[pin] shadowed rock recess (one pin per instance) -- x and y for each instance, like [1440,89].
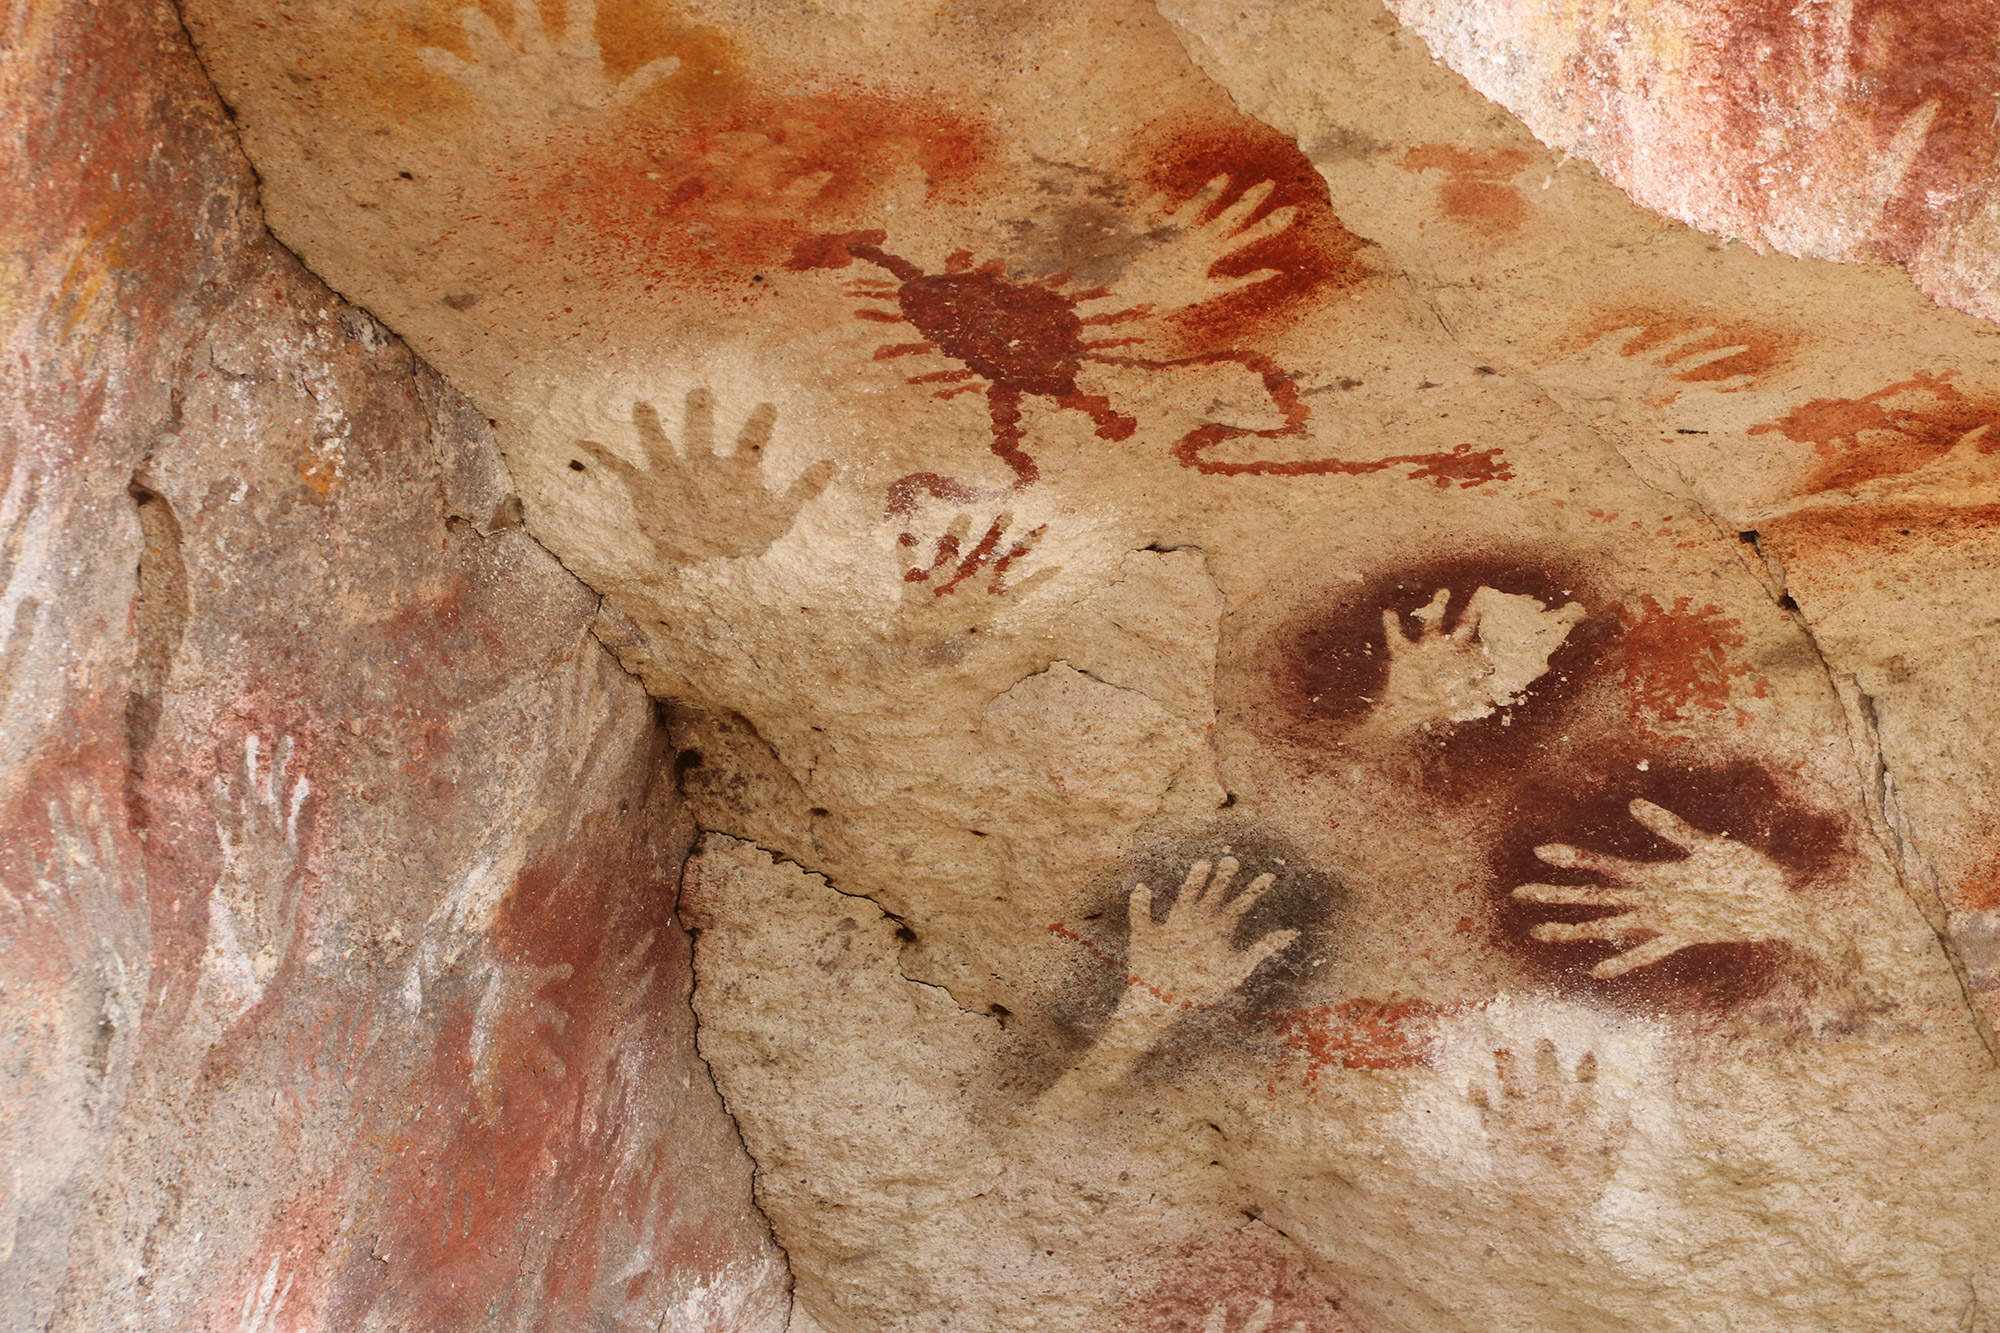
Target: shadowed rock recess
[860,666]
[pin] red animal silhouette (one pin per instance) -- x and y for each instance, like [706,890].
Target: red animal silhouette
[1021,338]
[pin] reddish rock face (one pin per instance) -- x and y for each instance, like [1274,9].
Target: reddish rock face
[1853,131]
[338,869]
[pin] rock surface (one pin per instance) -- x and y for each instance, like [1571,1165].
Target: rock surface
[341,980]
[1857,130]
[1300,716]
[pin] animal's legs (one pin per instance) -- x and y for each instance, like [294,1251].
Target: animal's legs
[1005,405]
[1111,424]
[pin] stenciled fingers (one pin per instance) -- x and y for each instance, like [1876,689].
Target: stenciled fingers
[652,435]
[1392,630]
[1565,857]
[579,26]
[1189,957]
[645,77]
[1247,899]
[1233,217]
[1515,1083]
[1217,890]
[571,64]
[1256,954]
[1548,1065]
[1430,618]
[1611,928]
[1664,823]
[1139,911]
[1468,622]
[1432,613]
[1187,214]
[698,422]
[1652,951]
[810,483]
[1230,285]
[699,437]
[757,429]
[1202,241]
[1191,888]
[489,47]
[1576,895]
[1264,228]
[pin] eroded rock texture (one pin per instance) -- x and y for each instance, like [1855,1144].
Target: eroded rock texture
[1300,716]
[342,985]
[1860,129]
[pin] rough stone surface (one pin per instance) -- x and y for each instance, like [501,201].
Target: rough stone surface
[1856,130]
[341,982]
[1303,717]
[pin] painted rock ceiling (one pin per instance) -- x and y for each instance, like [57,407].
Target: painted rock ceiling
[1289,710]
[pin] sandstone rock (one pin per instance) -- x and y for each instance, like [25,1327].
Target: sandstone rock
[1301,716]
[1851,132]
[341,980]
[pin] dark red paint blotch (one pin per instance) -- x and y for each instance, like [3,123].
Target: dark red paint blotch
[1332,661]
[1586,804]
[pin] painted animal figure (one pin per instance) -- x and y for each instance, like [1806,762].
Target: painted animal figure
[1021,338]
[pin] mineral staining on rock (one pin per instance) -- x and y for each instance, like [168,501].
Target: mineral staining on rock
[1296,711]
[1850,131]
[339,975]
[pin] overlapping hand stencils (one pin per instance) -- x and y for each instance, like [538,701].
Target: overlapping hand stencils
[1186,962]
[1178,269]
[1537,1107]
[1190,959]
[1500,646]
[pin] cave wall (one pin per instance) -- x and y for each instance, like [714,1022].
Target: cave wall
[1853,131]
[1224,691]
[341,984]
